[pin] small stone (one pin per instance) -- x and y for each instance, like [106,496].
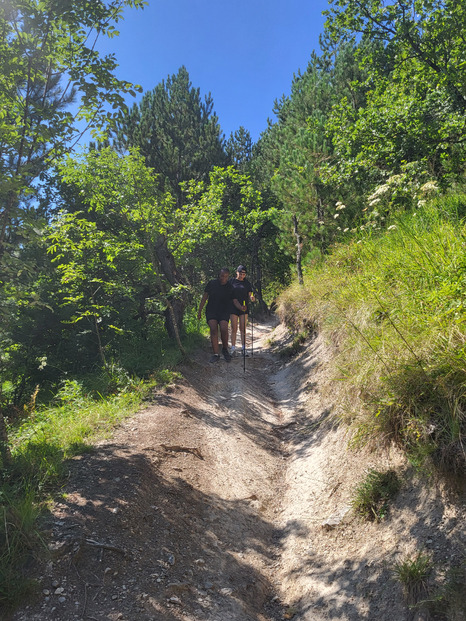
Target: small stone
[62,600]
[59,591]
[336,518]
[46,592]
[174,600]
[55,583]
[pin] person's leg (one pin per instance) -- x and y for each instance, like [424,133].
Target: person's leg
[213,325]
[224,336]
[242,329]
[234,328]
[224,333]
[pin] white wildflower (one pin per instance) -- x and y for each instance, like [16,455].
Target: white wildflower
[374,202]
[339,205]
[430,186]
[392,227]
[396,179]
[345,230]
[337,215]
[382,189]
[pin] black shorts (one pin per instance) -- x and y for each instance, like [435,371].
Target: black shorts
[235,311]
[218,317]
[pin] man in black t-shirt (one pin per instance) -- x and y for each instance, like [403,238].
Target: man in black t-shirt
[219,295]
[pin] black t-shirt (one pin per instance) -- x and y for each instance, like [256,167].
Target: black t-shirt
[220,298]
[241,289]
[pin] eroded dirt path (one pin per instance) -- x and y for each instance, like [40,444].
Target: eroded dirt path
[173,518]
[227,499]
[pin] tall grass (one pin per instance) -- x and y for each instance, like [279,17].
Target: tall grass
[394,306]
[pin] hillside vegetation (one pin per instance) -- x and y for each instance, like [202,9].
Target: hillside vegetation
[392,303]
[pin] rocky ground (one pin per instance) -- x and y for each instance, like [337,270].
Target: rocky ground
[227,498]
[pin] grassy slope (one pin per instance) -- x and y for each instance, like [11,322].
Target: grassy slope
[393,302]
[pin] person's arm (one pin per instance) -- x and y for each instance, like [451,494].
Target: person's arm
[238,305]
[201,305]
[251,293]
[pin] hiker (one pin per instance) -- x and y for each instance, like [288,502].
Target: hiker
[219,295]
[243,292]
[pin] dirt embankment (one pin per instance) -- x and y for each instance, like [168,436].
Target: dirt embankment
[227,499]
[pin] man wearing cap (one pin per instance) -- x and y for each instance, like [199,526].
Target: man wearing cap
[243,293]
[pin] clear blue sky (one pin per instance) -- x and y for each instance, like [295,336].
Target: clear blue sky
[244,52]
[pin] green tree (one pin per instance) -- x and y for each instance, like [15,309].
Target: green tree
[412,121]
[430,31]
[128,210]
[300,149]
[48,57]
[239,148]
[176,131]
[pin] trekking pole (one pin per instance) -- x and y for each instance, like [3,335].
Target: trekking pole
[244,340]
[252,330]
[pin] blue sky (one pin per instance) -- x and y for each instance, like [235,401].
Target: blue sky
[244,52]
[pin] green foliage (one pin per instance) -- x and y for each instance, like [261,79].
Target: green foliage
[239,149]
[371,496]
[432,34]
[47,60]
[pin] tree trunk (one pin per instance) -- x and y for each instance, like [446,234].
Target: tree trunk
[176,304]
[299,250]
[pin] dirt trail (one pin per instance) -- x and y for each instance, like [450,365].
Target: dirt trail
[208,505]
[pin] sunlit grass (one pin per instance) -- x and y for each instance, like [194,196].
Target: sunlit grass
[372,495]
[393,306]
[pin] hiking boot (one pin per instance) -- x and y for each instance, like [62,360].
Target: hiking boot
[214,358]
[226,354]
